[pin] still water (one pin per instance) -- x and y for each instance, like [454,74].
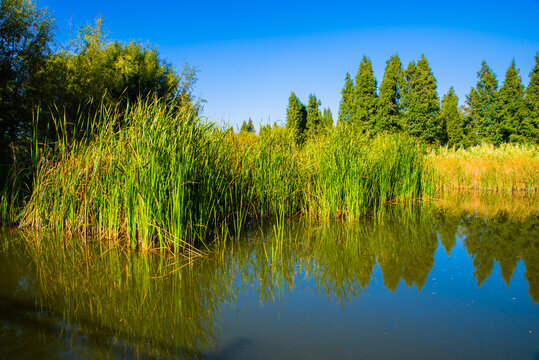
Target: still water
[423,282]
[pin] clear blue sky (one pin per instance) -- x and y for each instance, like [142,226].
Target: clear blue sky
[251,55]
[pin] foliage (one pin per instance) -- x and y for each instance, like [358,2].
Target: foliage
[314,118]
[512,106]
[296,118]
[25,36]
[327,119]
[530,124]
[101,71]
[247,127]
[420,103]
[452,119]
[347,106]
[365,97]
[389,111]
[483,106]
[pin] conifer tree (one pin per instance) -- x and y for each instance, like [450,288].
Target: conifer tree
[483,105]
[530,125]
[296,118]
[327,119]
[365,97]
[421,103]
[247,127]
[512,107]
[314,118]
[346,107]
[244,127]
[453,119]
[389,113]
[250,127]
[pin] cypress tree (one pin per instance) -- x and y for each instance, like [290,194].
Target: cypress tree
[453,119]
[483,105]
[247,127]
[244,127]
[346,107]
[530,125]
[421,103]
[512,107]
[314,118]
[389,113]
[250,127]
[365,97]
[327,119]
[296,118]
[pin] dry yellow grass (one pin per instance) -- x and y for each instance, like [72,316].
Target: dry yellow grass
[509,167]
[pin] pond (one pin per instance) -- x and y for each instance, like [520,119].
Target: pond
[451,280]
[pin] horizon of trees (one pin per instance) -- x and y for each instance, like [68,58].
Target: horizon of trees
[407,101]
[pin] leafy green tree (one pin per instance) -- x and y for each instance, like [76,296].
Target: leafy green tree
[513,108]
[389,113]
[327,119]
[25,38]
[365,97]
[296,118]
[421,103]
[346,106]
[453,119]
[483,105]
[111,71]
[314,118]
[530,124]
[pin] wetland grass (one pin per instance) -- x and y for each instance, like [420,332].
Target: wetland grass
[162,178]
[509,167]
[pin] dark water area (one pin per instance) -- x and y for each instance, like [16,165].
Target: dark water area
[422,282]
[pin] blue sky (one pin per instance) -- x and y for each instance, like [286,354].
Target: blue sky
[251,55]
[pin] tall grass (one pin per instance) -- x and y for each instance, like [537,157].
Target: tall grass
[163,178]
[353,175]
[509,167]
[155,175]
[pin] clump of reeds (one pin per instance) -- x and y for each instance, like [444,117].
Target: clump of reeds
[486,167]
[162,178]
[353,174]
[154,174]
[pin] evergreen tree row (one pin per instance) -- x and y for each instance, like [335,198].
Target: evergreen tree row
[407,100]
[307,121]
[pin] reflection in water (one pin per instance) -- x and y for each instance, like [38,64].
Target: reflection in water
[81,299]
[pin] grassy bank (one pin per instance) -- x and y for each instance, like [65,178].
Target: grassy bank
[164,178]
[510,167]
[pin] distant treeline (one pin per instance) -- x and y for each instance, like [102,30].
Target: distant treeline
[407,101]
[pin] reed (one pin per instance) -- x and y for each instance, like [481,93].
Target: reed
[164,179]
[155,175]
[352,174]
[510,167]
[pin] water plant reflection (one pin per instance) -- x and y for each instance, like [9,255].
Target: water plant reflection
[151,305]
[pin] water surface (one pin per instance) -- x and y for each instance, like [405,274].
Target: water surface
[422,282]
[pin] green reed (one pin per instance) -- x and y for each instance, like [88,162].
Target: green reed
[354,175]
[163,178]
